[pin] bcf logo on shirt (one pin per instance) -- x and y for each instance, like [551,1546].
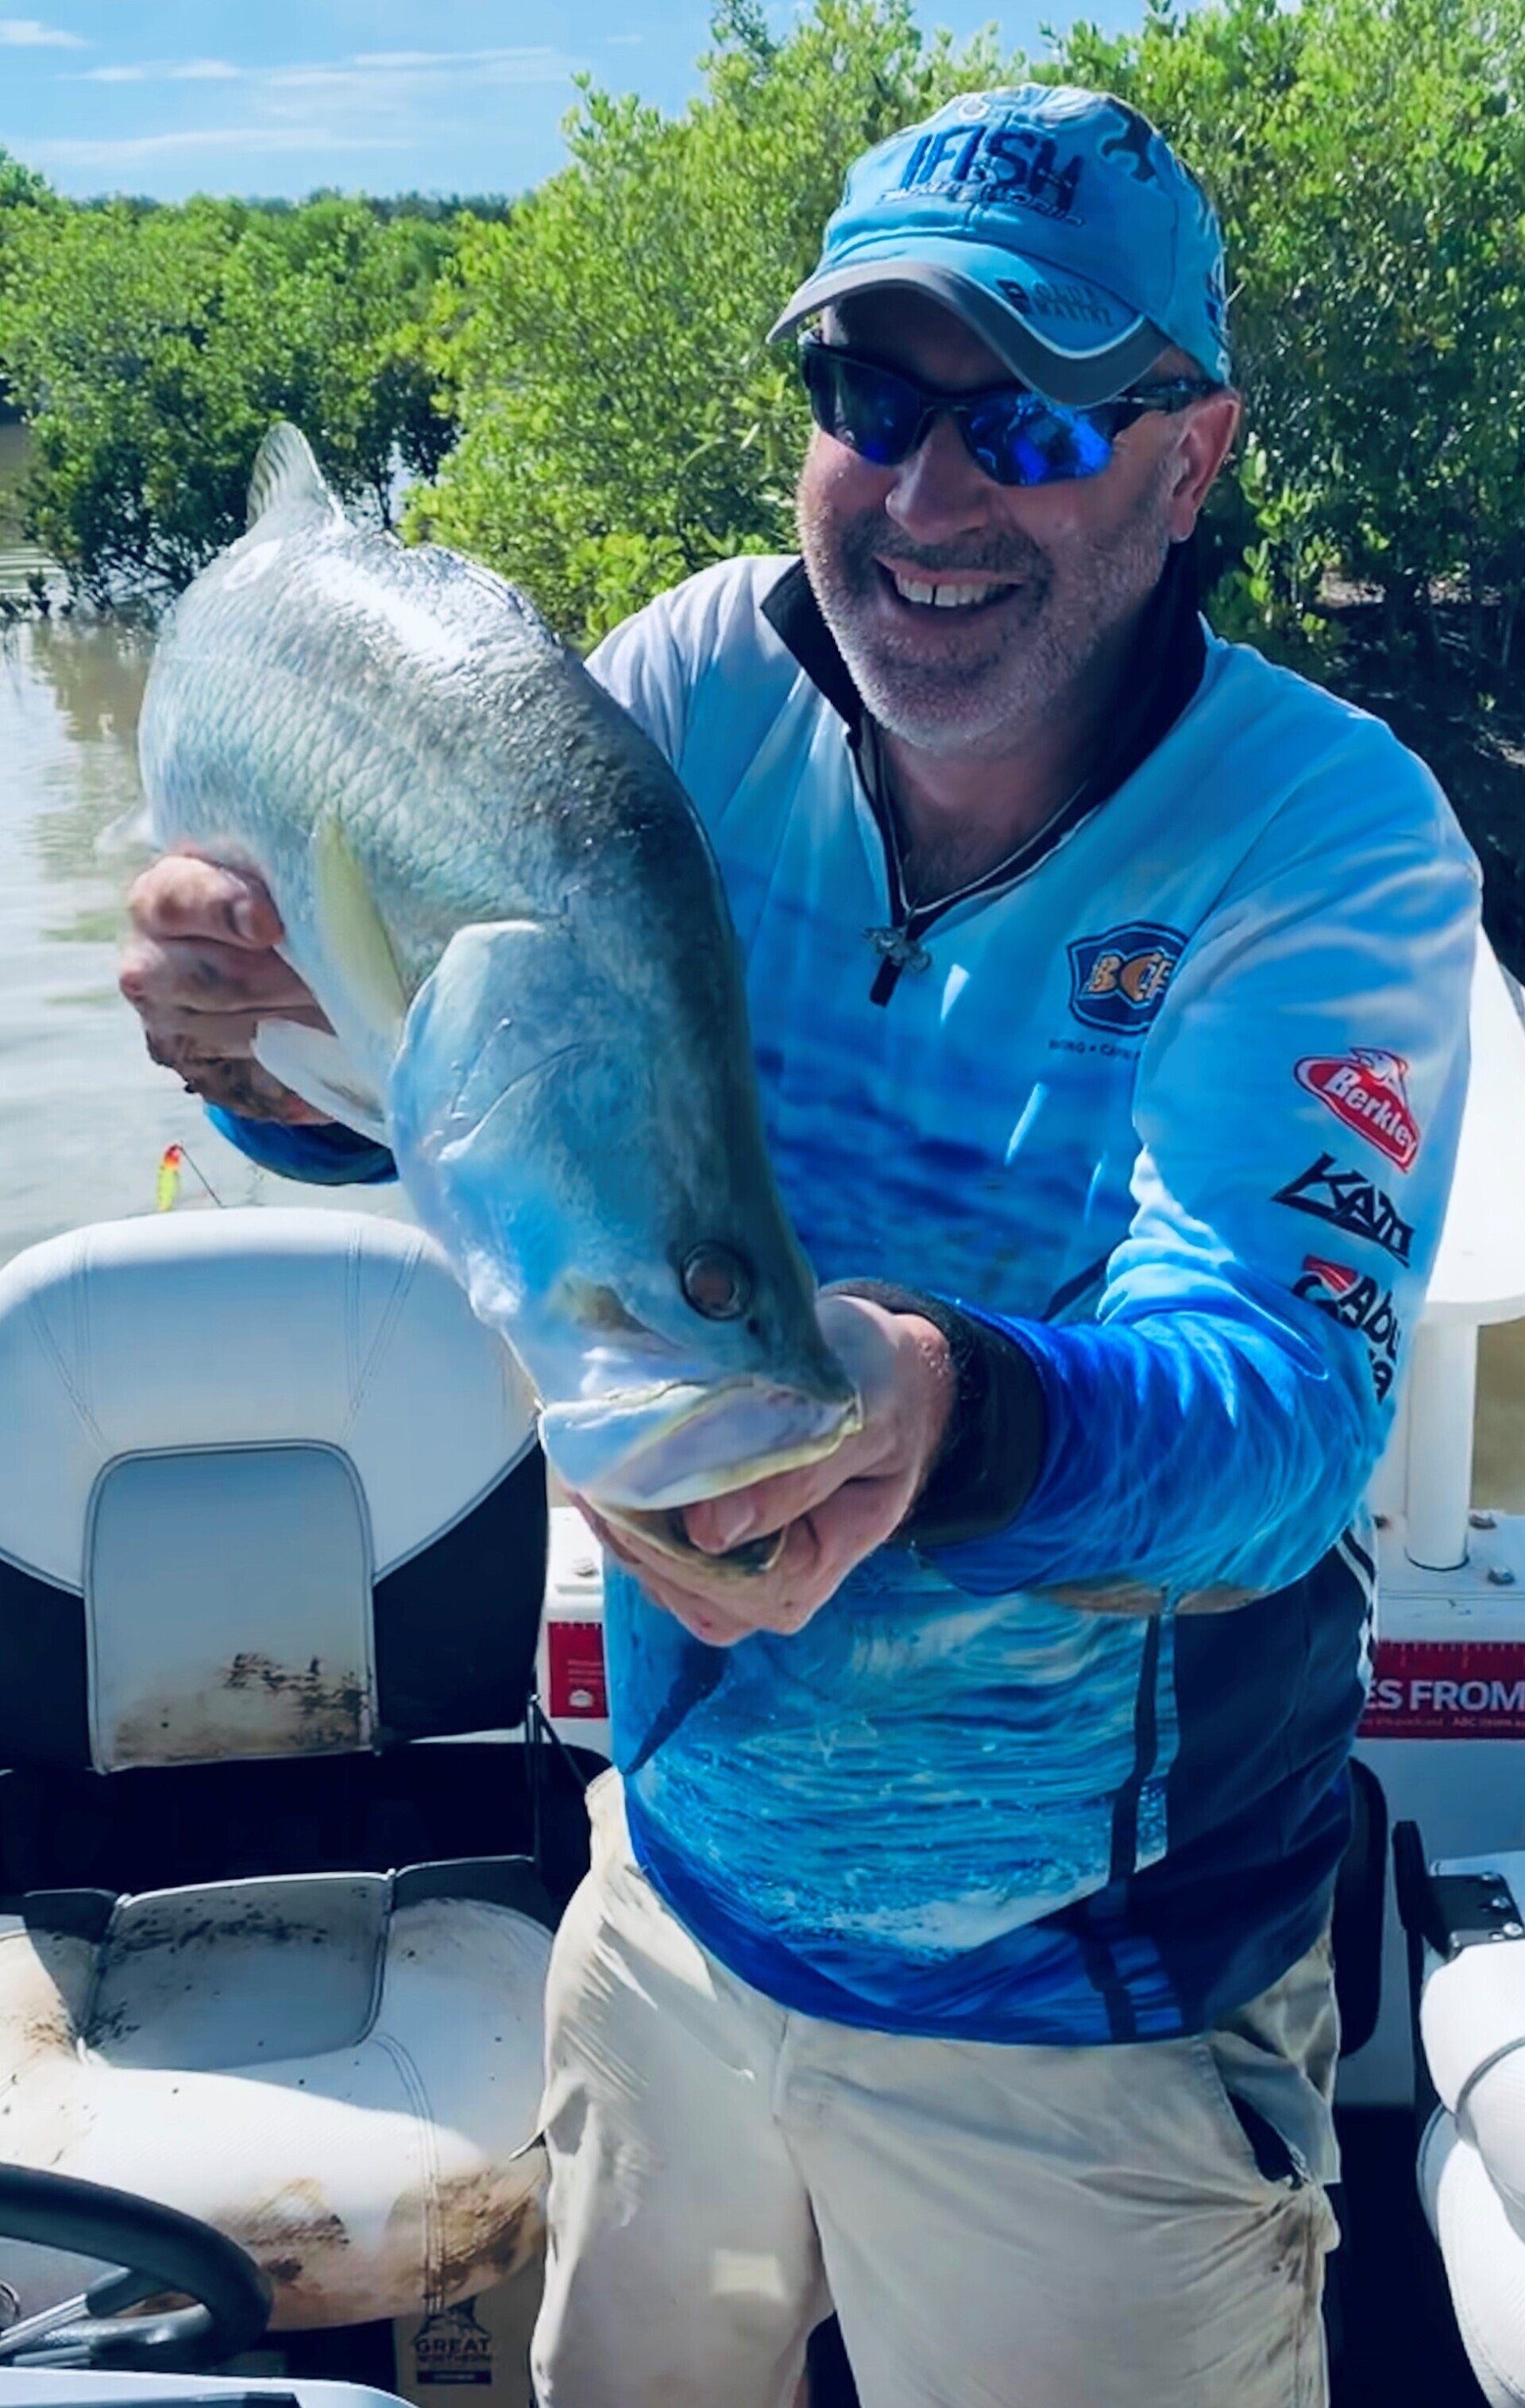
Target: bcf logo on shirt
[1118,981]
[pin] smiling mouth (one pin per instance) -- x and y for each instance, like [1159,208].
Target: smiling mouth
[930,593]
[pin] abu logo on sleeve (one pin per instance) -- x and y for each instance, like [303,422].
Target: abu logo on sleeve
[1367,1089]
[1347,1199]
[1118,981]
[1355,1300]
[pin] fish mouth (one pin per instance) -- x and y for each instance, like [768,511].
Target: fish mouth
[667,1536]
[653,1450]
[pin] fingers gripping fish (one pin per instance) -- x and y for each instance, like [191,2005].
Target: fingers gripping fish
[503,900]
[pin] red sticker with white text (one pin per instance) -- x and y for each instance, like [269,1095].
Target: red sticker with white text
[1451,1688]
[579,1691]
[1367,1090]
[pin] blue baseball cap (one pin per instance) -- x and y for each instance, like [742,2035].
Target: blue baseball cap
[1056,223]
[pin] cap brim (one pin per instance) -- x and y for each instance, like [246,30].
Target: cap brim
[1093,344]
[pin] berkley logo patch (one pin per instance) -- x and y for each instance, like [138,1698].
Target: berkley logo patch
[1366,1089]
[1347,1199]
[1118,981]
[1355,1300]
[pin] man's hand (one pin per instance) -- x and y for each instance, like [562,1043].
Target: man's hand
[201,972]
[833,1512]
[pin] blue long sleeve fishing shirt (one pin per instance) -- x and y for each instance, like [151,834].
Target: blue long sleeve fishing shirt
[1167,1108]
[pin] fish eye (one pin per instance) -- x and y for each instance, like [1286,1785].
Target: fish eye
[716,1282]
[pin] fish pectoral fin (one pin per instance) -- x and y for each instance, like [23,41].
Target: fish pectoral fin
[506,1004]
[354,934]
[315,1067]
[285,476]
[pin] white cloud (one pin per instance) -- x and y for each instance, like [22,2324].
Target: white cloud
[160,71]
[395,73]
[381,82]
[405,59]
[135,150]
[383,89]
[411,58]
[398,61]
[31,34]
[387,101]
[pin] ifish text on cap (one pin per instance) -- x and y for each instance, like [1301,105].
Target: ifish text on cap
[1059,224]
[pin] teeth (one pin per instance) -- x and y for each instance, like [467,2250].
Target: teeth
[943,598]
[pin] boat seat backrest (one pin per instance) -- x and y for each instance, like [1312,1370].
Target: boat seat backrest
[266,1488]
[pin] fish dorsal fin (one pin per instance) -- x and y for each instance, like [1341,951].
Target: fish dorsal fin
[287,477]
[354,934]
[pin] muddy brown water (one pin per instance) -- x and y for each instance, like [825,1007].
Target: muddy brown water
[84,1116]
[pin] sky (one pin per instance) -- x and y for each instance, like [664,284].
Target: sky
[276,96]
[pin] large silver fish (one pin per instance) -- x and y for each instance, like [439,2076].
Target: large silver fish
[501,896]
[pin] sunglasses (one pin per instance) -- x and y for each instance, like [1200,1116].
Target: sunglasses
[1015,436]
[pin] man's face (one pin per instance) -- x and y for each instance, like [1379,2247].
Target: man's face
[1029,580]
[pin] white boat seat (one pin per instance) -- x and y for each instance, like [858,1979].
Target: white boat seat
[1472,2158]
[346,2086]
[268,1492]
[1483,2247]
[243,1379]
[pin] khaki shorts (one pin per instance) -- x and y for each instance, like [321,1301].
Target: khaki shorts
[996,2228]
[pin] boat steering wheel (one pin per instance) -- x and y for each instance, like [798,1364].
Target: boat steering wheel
[148,2249]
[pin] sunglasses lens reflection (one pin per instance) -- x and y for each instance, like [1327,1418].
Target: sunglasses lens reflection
[1016,437]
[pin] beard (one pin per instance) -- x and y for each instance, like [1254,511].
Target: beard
[977,681]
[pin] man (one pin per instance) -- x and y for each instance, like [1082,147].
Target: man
[954,1951]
